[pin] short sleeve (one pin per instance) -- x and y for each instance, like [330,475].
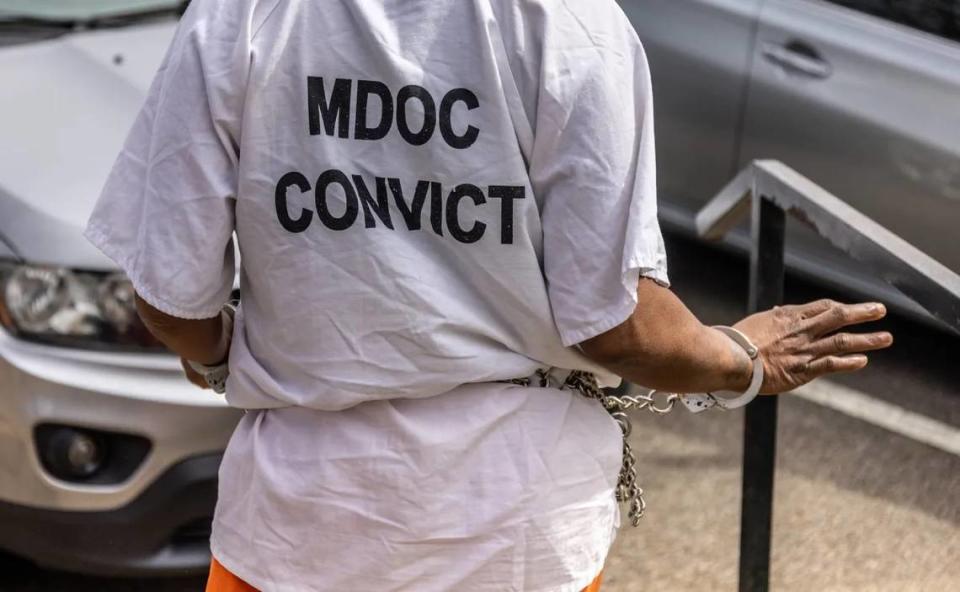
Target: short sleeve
[166,214]
[593,167]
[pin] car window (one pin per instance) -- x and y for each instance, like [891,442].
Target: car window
[940,17]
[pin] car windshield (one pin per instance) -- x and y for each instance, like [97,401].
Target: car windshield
[79,10]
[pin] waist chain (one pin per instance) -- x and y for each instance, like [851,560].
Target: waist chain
[628,490]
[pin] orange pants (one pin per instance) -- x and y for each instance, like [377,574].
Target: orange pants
[221,580]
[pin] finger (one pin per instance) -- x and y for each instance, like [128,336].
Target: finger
[812,309]
[850,343]
[834,364]
[193,376]
[844,315]
[196,379]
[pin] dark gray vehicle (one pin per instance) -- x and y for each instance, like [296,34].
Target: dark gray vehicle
[861,96]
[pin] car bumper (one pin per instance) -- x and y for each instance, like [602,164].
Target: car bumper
[164,531]
[150,520]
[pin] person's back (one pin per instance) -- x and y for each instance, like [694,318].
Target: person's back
[434,200]
[412,217]
[390,230]
[400,257]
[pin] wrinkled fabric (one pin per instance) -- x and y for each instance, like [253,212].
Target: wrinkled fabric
[425,195]
[490,487]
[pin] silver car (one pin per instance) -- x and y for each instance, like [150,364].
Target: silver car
[108,457]
[861,96]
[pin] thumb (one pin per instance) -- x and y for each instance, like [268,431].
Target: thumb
[192,375]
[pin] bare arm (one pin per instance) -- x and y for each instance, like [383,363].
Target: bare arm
[662,345]
[206,341]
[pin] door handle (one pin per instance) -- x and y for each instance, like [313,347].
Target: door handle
[798,57]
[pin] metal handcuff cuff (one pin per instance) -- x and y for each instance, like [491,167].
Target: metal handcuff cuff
[628,490]
[697,402]
[216,376]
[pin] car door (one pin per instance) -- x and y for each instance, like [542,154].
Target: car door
[699,53]
[863,97]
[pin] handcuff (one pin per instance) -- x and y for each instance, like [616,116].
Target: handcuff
[216,375]
[727,400]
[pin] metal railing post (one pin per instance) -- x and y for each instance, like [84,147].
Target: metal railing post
[760,421]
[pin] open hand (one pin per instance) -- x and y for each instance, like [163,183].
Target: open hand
[799,343]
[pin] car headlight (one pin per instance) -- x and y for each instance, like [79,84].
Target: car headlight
[93,310]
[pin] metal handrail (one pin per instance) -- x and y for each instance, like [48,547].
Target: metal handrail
[921,278]
[770,190]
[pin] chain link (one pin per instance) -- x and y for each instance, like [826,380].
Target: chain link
[628,490]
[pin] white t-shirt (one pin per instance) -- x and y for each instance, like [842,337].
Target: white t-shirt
[428,196]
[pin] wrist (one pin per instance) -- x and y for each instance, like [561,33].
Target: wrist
[221,352]
[738,395]
[740,368]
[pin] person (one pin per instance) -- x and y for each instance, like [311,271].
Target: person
[433,201]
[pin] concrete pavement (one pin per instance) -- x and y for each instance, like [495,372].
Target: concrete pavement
[856,508]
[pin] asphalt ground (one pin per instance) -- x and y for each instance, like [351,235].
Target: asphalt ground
[858,507]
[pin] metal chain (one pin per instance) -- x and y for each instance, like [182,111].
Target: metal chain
[628,491]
